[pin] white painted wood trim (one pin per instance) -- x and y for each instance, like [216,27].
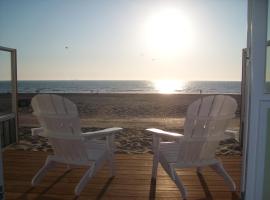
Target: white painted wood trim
[7,117]
[262,128]
[257,37]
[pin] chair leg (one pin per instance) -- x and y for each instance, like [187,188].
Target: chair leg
[221,171]
[84,180]
[156,142]
[155,167]
[173,175]
[42,172]
[110,155]
[179,183]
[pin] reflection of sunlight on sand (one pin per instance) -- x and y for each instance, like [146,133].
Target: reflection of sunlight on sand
[169,86]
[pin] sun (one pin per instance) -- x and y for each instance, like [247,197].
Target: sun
[168,32]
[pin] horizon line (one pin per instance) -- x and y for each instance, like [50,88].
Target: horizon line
[121,80]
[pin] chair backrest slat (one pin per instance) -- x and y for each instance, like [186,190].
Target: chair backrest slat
[59,118]
[206,121]
[57,115]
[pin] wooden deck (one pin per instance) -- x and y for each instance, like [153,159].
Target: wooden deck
[131,182]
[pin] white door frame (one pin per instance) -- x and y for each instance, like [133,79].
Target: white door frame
[13,62]
[256,100]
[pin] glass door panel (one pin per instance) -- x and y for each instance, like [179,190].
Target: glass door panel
[8,97]
[267,68]
[5,83]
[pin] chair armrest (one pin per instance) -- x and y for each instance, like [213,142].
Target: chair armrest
[38,132]
[157,135]
[101,133]
[162,133]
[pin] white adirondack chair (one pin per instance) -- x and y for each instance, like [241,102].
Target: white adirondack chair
[60,122]
[206,121]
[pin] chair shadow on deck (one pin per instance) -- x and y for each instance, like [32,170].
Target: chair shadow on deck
[41,197]
[208,195]
[105,188]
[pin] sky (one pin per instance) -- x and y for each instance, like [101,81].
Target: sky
[125,39]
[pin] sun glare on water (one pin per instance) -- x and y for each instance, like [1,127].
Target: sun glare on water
[168,32]
[169,86]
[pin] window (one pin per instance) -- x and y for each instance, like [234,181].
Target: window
[5,83]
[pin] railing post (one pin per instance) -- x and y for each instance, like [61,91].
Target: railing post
[14,90]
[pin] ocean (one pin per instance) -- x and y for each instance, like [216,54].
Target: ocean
[107,86]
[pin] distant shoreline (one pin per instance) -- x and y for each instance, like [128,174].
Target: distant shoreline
[121,86]
[174,93]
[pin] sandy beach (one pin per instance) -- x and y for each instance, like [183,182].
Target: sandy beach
[133,112]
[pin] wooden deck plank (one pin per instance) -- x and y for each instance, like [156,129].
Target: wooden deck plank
[132,181]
